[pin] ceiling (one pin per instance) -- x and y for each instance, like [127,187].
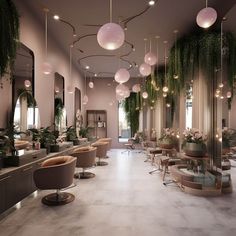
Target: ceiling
[160,20]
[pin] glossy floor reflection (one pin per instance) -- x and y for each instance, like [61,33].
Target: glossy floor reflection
[123,199]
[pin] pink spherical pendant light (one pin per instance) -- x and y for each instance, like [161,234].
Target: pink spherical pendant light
[47,68]
[136,88]
[145,69]
[145,95]
[150,59]
[206,17]
[91,84]
[111,36]
[122,76]
[27,83]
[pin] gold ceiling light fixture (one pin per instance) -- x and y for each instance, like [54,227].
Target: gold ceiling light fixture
[46,67]
[58,18]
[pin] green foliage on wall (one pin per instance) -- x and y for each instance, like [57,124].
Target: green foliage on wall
[9,34]
[201,50]
[131,105]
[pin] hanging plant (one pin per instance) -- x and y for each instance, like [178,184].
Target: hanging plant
[200,50]
[9,34]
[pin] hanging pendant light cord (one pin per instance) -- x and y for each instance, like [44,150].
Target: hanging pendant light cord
[165,60]
[157,53]
[221,52]
[46,33]
[70,61]
[110,10]
[175,52]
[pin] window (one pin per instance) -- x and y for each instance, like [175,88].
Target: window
[124,128]
[189,108]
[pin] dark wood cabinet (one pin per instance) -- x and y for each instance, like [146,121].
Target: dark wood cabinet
[16,185]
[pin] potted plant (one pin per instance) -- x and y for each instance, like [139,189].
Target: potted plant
[48,140]
[71,135]
[168,139]
[228,135]
[194,143]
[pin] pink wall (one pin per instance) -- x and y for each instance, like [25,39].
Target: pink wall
[32,35]
[102,97]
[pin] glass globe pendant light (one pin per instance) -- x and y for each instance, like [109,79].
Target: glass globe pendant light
[165,89]
[70,88]
[122,76]
[145,69]
[111,36]
[46,66]
[136,88]
[145,95]
[150,58]
[85,98]
[176,76]
[91,84]
[206,17]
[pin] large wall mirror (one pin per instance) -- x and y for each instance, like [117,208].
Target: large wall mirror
[227,101]
[24,105]
[59,103]
[77,111]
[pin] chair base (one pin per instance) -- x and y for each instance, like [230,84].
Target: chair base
[55,199]
[101,163]
[84,175]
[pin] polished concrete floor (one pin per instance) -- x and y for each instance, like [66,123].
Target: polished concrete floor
[123,199]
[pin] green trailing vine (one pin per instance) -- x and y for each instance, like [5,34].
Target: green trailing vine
[131,105]
[9,34]
[200,50]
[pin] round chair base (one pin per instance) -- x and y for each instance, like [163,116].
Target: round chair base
[84,175]
[55,199]
[102,163]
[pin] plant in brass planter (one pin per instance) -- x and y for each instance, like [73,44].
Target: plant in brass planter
[194,143]
[168,139]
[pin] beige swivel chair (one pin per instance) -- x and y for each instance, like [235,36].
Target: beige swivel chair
[109,141]
[101,152]
[85,159]
[56,173]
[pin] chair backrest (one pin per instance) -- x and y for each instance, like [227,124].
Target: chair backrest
[55,173]
[85,158]
[109,140]
[101,149]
